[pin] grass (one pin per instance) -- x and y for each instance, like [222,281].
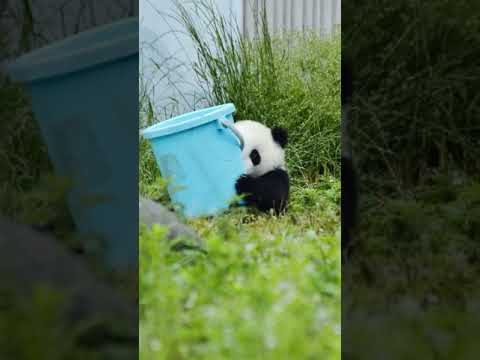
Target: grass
[268,287]
[22,152]
[293,81]
[416,104]
[417,149]
[413,271]
[37,327]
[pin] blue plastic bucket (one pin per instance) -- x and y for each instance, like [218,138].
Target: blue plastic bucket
[201,153]
[81,94]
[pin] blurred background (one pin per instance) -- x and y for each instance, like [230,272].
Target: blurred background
[29,24]
[57,301]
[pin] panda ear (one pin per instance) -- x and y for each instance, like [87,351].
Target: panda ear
[280,135]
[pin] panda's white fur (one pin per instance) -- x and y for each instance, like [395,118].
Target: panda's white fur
[258,136]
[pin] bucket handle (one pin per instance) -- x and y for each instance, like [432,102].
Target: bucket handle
[229,125]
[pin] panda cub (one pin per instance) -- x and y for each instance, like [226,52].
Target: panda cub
[265,183]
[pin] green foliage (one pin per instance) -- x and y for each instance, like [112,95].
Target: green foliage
[415,105]
[36,327]
[33,329]
[414,127]
[46,204]
[292,81]
[427,248]
[427,243]
[407,331]
[150,182]
[268,287]
[23,154]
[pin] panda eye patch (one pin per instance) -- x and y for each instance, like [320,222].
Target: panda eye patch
[255,157]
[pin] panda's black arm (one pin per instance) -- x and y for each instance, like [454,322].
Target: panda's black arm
[269,191]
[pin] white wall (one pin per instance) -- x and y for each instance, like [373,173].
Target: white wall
[162,41]
[321,16]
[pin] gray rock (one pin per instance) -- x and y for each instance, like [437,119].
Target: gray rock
[29,259]
[152,212]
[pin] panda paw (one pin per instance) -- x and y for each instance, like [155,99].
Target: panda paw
[244,184]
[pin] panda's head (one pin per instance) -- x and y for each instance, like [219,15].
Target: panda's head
[264,148]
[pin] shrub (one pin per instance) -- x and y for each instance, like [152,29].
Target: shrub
[291,80]
[415,105]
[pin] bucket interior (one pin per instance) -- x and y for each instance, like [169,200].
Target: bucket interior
[188,120]
[83,40]
[83,50]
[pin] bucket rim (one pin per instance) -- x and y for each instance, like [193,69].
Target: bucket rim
[186,121]
[49,61]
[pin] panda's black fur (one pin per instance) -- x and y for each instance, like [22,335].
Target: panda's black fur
[349,176]
[266,192]
[270,189]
